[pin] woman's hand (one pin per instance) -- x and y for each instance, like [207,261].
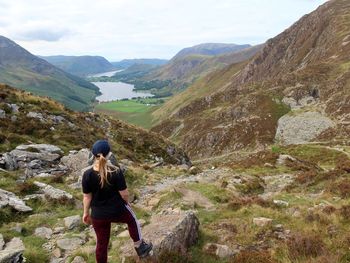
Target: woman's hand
[87,219]
[86,203]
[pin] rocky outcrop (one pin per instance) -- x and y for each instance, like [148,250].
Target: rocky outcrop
[11,256]
[76,161]
[8,162]
[52,192]
[45,152]
[38,160]
[172,232]
[10,199]
[298,128]
[15,244]
[13,252]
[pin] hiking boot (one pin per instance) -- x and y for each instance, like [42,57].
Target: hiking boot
[144,249]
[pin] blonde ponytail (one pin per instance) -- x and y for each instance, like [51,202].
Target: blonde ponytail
[104,170]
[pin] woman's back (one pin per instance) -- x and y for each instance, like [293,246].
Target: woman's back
[106,201]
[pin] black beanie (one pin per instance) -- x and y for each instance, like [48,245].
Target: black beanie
[101,147]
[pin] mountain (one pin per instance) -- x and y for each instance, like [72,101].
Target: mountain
[23,70]
[295,90]
[80,65]
[187,66]
[126,63]
[209,49]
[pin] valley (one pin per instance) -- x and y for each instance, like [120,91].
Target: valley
[232,153]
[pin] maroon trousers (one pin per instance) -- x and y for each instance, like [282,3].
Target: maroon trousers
[102,229]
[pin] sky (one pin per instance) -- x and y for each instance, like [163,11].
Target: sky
[118,29]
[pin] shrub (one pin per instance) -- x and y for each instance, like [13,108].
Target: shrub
[329,209]
[61,201]
[343,164]
[248,256]
[58,179]
[306,177]
[251,187]
[2,138]
[344,188]
[173,257]
[345,212]
[27,188]
[236,203]
[305,246]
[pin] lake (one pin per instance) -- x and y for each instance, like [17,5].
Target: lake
[117,91]
[106,74]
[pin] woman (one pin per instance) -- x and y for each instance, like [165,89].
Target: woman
[106,193]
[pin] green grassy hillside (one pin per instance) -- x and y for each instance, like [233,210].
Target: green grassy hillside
[135,111]
[76,131]
[23,70]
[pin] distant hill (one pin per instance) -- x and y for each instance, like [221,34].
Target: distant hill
[80,65]
[126,63]
[295,90]
[188,65]
[186,69]
[23,70]
[209,49]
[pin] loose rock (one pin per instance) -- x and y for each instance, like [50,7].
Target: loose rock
[11,255]
[69,243]
[78,259]
[15,244]
[262,221]
[72,222]
[43,232]
[301,128]
[2,242]
[10,199]
[173,232]
[222,251]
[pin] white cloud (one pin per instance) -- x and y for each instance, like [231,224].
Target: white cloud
[120,29]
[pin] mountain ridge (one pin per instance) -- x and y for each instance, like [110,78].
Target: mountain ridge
[80,65]
[20,68]
[210,49]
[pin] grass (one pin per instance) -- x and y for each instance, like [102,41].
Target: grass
[135,111]
[34,252]
[210,191]
[314,153]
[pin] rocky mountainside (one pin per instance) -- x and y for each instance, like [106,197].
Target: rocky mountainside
[209,49]
[80,65]
[23,70]
[295,90]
